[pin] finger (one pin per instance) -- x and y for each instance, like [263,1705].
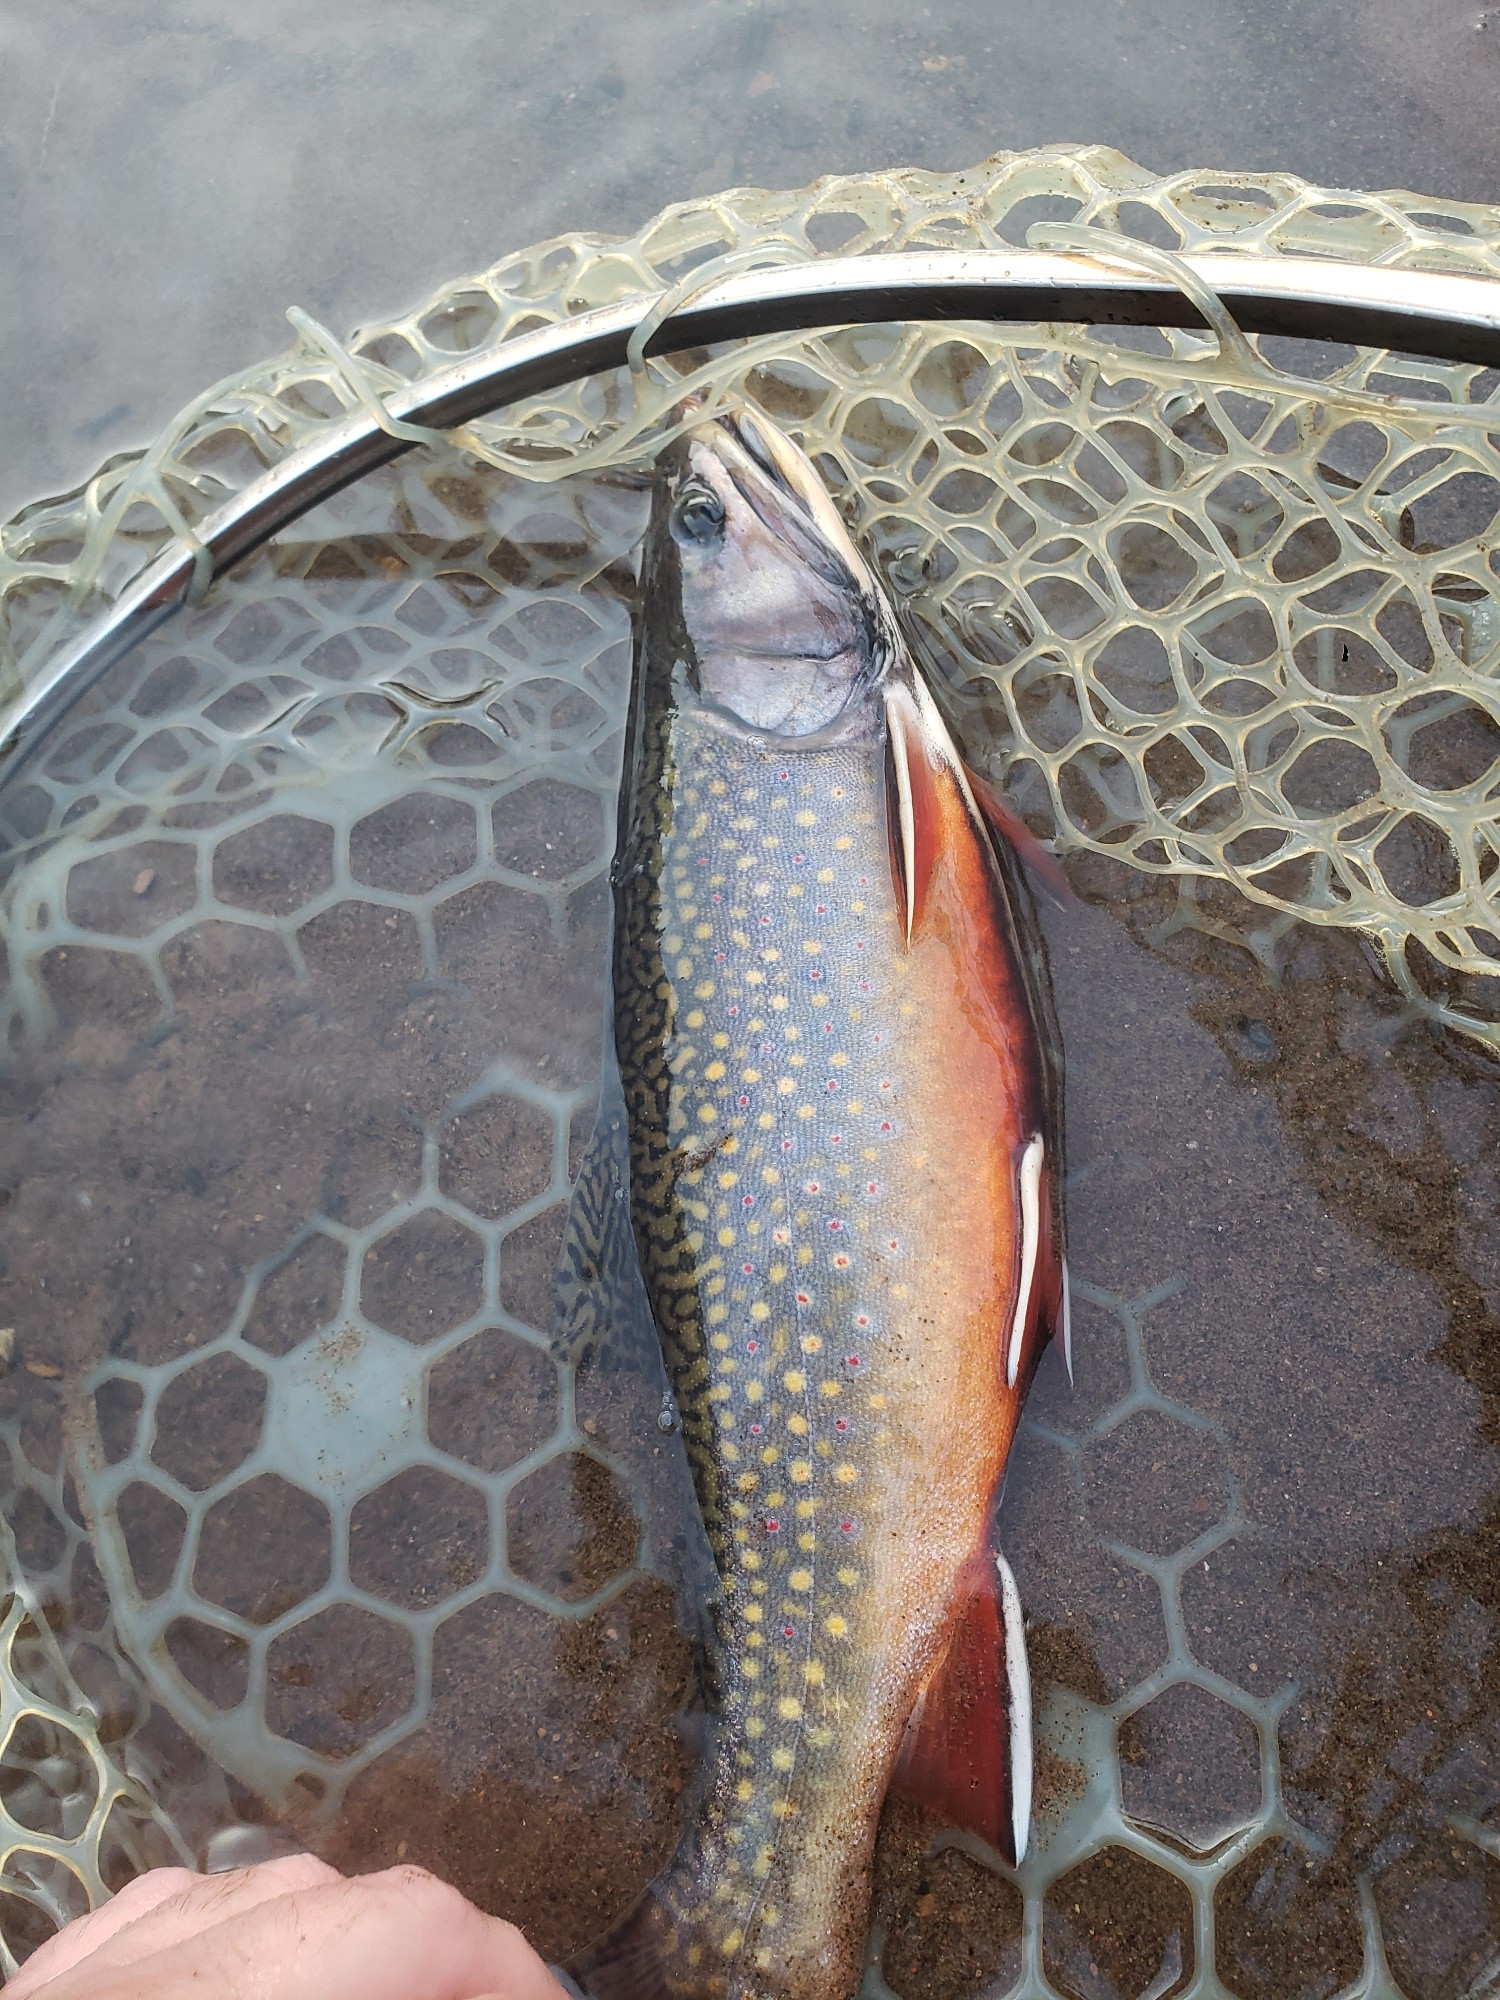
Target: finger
[86,1934]
[401,1935]
[160,1909]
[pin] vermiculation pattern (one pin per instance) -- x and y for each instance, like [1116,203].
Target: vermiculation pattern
[775,1212]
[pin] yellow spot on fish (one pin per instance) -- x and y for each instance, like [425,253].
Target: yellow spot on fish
[726,1237]
[836,1625]
[685,971]
[754,1391]
[748,1481]
[704,990]
[830,1388]
[801,1471]
[721,1041]
[702,930]
[754,1613]
[806,818]
[814,1672]
[752,1076]
[755,1726]
[779,1002]
[760,1310]
[755,977]
[877,1402]
[744,1791]
[825,874]
[807,1542]
[714,1071]
[789,1708]
[794,1381]
[811,945]
[848,1578]
[803,1111]
[732,1942]
[695,1019]
[785,1085]
[812,1343]
[781,1759]
[797,1426]
[838,1060]
[784,1809]
[720,1341]
[843,843]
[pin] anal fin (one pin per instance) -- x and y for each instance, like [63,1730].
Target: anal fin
[967,1751]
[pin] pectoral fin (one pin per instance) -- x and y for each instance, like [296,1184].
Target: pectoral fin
[967,1749]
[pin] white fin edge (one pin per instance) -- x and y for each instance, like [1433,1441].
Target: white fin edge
[1031,1229]
[1018,1677]
[1067,1322]
[908,827]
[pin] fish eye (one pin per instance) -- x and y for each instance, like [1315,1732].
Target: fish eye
[698,515]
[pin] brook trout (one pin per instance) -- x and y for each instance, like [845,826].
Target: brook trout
[842,1179]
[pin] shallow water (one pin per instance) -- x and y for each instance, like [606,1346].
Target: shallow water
[306,985]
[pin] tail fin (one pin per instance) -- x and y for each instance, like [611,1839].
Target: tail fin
[967,1752]
[634,1961]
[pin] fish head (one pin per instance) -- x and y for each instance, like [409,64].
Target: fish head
[781,621]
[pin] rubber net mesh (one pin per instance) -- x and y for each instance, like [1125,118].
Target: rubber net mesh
[1223,618]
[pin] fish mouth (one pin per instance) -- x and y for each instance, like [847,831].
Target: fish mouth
[775,477]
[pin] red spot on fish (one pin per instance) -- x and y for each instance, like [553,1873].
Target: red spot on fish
[815,975]
[765,920]
[716,897]
[828,1027]
[702,860]
[864,986]
[833,1083]
[804,1299]
[798,859]
[841,1423]
[815,1187]
[835,1226]
[885,1083]
[747,1201]
[786,1147]
[755,1430]
[835,1138]
[743,1103]
[788,1631]
[773,1527]
[861,1319]
[718,958]
[872,1187]
[851,1360]
[748,1269]
[841,1262]
[752,1346]
[732,1011]
[781,1236]
[846,1527]
[783,777]
[822,909]
[885,1124]
[893,1244]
